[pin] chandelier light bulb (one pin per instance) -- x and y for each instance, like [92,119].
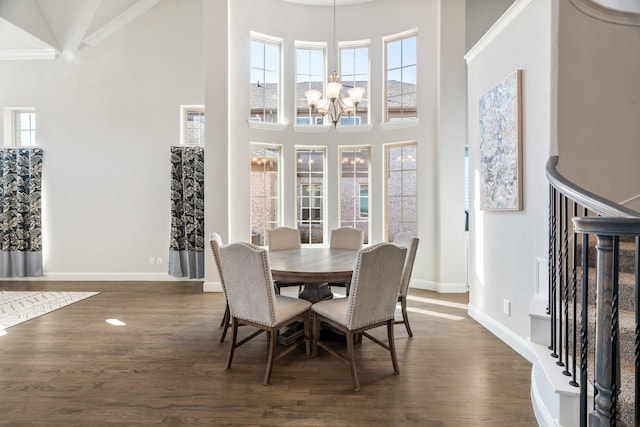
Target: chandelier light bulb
[334,106]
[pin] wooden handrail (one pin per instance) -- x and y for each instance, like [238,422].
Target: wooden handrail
[607,226]
[570,211]
[591,201]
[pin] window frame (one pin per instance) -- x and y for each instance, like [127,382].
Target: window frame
[278,200]
[367,90]
[360,212]
[298,93]
[185,110]
[385,108]
[299,194]
[387,171]
[12,127]
[278,42]
[358,218]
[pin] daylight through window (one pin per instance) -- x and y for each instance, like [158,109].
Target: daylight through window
[192,124]
[310,194]
[24,127]
[354,189]
[401,189]
[354,72]
[310,74]
[264,79]
[265,191]
[401,79]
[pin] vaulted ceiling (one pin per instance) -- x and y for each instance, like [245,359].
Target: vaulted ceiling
[45,28]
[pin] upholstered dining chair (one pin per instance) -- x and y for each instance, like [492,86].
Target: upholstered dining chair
[346,238]
[371,304]
[253,301]
[282,238]
[405,239]
[216,241]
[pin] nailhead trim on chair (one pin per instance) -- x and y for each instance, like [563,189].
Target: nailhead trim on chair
[355,279]
[265,263]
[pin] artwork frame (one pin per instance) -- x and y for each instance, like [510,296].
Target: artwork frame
[501,145]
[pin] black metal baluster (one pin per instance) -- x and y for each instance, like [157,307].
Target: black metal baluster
[583,328]
[574,299]
[562,285]
[565,243]
[552,268]
[551,237]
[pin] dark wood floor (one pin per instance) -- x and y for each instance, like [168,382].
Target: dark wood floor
[71,368]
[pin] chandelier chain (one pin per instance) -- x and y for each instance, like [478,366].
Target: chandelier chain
[335,43]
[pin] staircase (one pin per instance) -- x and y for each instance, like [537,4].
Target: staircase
[586,368]
[626,321]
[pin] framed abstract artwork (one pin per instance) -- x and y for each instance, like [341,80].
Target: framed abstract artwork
[501,145]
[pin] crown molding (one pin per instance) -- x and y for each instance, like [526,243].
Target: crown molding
[19,55]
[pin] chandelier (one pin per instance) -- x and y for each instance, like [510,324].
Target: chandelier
[334,106]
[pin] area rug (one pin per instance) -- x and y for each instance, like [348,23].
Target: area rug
[18,306]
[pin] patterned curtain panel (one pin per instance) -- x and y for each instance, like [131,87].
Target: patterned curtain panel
[186,253]
[20,212]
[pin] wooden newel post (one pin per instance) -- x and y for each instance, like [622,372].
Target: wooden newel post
[606,345]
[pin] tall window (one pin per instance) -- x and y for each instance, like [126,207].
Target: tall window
[354,189]
[401,78]
[192,125]
[354,72]
[20,127]
[265,78]
[310,194]
[401,189]
[265,191]
[310,74]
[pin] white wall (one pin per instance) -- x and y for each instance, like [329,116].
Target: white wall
[601,138]
[367,21]
[107,116]
[504,246]
[106,119]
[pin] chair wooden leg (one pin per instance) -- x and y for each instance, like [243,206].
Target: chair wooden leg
[405,316]
[316,335]
[392,347]
[307,329]
[272,350]
[352,361]
[225,317]
[232,346]
[225,323]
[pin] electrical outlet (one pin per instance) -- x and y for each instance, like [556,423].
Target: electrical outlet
[159,260]
[151,260]
[506,307]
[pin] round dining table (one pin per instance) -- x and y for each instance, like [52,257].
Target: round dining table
[313,266]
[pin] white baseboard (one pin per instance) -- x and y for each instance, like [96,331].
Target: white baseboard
[105,277]
[519,344]
[543,417]
[211,287]
[555,401]
[443,288]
